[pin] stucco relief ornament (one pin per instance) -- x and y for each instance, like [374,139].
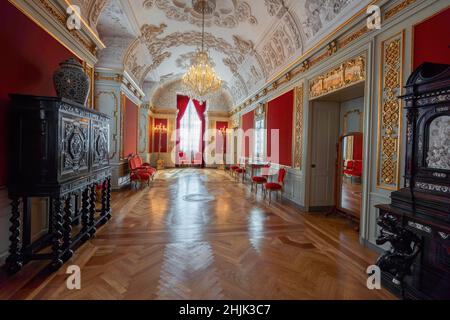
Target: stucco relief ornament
[320,12]
[221,13]
[71,82]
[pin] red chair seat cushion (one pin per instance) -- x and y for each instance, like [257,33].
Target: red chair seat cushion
[149,170]
[234,168]
[240,170]
[142,176]
[273,186]
[259,179]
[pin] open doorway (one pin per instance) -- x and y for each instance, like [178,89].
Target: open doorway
[336,142]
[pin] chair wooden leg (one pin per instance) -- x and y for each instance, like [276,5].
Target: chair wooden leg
[270,197]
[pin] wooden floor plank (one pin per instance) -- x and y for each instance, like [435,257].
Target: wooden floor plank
[198,234]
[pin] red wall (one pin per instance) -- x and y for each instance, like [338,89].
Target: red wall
[432,40]
[29,56]
[248,122]
[280,116]
[163,136]
[130,122]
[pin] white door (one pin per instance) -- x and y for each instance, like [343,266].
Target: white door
[325,137]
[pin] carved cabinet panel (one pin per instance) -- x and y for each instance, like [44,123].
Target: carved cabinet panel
[57,145]
[75,145]
[100,145]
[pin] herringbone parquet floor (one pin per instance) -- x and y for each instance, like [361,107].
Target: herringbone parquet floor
[200,235]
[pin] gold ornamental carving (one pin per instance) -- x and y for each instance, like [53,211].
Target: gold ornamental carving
[396,9]
[390,113]
[260,111]
[298,126]
[62,20]
[235,123]
[348,73]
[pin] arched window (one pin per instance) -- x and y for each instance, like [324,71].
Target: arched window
[190,132]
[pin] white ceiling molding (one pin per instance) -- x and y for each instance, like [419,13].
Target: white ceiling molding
[250,41]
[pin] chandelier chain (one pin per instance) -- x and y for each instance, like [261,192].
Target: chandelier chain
[200,81]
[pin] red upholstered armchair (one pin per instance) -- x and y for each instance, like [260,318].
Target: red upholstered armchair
[139,171]
[183,159]
[277,187]
[353,169]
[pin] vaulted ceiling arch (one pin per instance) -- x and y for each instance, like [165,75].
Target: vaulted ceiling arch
[249,40]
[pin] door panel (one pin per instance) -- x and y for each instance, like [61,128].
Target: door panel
[325,136]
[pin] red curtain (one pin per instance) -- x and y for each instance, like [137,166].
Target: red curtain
[182,103]
[280,117]
[201,108]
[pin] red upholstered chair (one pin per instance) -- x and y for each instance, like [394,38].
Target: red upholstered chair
[357,170]
[183,160]
[233,169]
[353,169]
[270,187]
[140,177]
[137,164]
[139,173]
[241,170]
[261,180]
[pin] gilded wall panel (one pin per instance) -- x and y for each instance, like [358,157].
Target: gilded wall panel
[390,113]
[348,73]
[298,126]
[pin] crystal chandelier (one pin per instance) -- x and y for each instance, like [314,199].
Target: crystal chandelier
[201,81]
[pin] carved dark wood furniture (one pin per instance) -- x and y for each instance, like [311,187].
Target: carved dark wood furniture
[417,222]
[59,151]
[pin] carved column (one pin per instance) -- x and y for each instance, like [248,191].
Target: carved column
[14,261]
[85,213]
[68,212]
[92,211]
[108,199]
[57,235]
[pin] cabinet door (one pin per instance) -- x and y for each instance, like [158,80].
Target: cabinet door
[74,145]
[100,144]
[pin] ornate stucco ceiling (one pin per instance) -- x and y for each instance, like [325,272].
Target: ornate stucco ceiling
[249,40]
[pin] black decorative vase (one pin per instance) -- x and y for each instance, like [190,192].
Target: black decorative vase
[71,82]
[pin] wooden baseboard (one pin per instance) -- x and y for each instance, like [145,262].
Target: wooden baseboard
[321,209]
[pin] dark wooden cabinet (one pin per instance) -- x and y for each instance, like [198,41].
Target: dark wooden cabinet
[417,222]
[59,150]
